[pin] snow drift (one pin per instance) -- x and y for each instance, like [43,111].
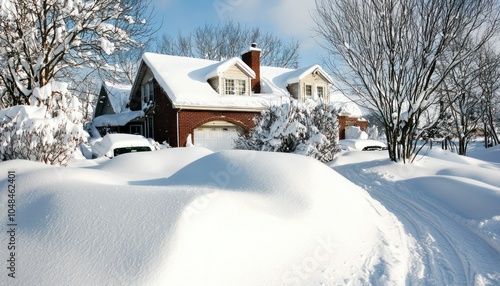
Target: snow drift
[449,203]
[192,217]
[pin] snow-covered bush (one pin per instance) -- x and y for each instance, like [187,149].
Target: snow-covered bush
[157,145]
[48,132]
[372,132]
[355,132]
[309,129]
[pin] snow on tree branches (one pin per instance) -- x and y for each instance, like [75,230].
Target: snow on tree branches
[48,132]
[395,55]
[309,129]
[40,40]
[43,42]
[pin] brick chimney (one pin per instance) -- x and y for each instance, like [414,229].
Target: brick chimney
[252,59]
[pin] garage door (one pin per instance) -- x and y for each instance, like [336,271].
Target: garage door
[215,136]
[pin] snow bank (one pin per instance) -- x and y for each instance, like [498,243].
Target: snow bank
[150,166]
[449,203]
[490,154]
[191,217]
[355,132]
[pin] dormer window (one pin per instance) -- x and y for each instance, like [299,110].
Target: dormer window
[235,86]
[314,91]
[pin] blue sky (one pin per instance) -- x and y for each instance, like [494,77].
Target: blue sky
[285,18]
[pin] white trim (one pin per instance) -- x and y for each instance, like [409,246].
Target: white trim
[221,108]
[178,129]
[312,90]
[236,82]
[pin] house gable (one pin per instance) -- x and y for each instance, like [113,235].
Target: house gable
[113,99]
[228,76]
[308,83]
[103,105]
[314,86]
[235,79]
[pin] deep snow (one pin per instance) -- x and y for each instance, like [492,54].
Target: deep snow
[187,216]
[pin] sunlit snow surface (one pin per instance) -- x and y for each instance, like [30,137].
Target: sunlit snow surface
[188,216]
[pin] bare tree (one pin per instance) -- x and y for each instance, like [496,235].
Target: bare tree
[462,97]
[489,84]
[391,50]
[180,46]
[229,39]
[43,39]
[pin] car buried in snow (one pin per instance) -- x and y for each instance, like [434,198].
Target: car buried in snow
[113,145]
[361,145]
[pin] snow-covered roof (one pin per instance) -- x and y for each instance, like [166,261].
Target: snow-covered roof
[349,109]
[118,95]
[119,119]
[298,74]
[345,106]
[185,81]
[219,68]
[274,80]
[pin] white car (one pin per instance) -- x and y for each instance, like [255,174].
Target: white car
[113,145]
[362,145]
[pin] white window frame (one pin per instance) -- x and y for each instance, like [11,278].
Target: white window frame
[235,86]
[311,90]
[147,91]
[322,95]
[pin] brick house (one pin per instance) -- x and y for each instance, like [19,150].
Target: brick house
[349,114]
[212,102]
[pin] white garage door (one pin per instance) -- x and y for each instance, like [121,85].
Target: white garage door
[216,137]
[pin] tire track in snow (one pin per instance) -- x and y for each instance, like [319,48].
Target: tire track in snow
[449,250]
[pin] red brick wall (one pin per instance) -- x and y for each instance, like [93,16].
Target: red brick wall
[165,118]
[344,122]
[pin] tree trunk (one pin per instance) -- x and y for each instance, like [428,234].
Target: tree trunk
[462,145]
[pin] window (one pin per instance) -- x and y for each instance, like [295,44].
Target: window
[235,86]
[136,129]
[321,91]
[134,149]
[149,127]
[229,86]
[147,92]
[309,90]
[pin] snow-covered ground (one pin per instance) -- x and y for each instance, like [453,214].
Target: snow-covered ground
[187,216]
